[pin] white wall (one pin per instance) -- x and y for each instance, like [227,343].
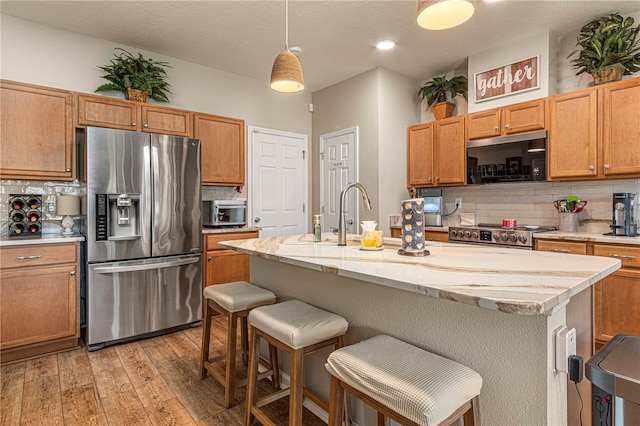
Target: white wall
[36,54]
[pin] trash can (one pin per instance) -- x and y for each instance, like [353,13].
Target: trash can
[614,373]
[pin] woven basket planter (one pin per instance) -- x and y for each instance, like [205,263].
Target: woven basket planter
[137,95]
[609,73]
[442,110]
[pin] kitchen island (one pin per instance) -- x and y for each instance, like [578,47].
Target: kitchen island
[492,309]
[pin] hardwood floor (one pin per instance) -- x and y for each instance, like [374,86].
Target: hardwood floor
[147,382]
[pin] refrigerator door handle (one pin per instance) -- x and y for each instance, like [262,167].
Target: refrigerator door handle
[124,238]
[145,267]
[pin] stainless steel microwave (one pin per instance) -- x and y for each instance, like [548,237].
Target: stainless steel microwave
[219,213]
[514,158]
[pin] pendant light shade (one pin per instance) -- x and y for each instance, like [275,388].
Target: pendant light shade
[286,73]
[443,14]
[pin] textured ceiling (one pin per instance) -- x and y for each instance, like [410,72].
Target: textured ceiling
[337,37]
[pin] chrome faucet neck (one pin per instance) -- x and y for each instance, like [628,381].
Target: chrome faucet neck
[342,229]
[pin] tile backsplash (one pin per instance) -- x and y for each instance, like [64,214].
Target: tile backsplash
[531,203]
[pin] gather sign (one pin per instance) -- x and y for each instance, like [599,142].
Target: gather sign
[507,79]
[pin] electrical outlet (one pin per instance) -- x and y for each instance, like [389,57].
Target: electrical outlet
[459,202]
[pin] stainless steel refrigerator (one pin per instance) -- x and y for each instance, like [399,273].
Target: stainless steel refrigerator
[143,234]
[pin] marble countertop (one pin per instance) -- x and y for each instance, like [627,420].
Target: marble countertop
[522,282]
[229,230]
[587,237]
[46,239]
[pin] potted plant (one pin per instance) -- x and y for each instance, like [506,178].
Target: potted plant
[136,76]
[435,92]
[608,48]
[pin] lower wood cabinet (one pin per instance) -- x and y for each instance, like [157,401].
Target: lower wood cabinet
[222,265]
[441,236]
[617,297]
[39,307]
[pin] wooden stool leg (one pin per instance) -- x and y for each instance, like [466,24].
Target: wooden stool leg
[336,401]
[295,396]
[230,373]
[244,336]
[252,375]
[472,416]
[206,337]
[273,360]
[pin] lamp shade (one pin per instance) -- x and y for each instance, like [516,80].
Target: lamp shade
[286,73]
[443,14]
[67,205]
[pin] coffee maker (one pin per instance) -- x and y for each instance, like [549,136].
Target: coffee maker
[624,214]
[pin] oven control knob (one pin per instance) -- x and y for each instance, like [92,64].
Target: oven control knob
[496,236]
[454,233]
[523,238]
[504,236]
[475,234]
[514,238]
[467,234]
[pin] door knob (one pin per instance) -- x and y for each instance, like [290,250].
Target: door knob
[350,222]
[256,220]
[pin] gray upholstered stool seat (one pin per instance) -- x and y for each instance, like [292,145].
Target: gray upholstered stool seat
[420,386]
[298,329]
[234,300]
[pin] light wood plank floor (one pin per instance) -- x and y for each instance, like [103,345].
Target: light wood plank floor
[147,382]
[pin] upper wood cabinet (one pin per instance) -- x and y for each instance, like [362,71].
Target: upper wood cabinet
[595,133]
[101,111]
[222,149]
[436,153]
[517,118]
[36,132]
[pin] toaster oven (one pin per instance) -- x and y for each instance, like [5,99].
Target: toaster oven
[219,213]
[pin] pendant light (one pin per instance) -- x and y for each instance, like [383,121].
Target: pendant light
[443,14]
[286,74]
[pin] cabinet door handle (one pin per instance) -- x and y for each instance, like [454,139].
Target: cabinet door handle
[561,251]
[429,178]
[506,126]
[591,168]
[621,256]
[134,123]
[209,259]
[437,178]
[68,169]
[29,257]
[606,167]
[145,125]
[72,273]
[495,128]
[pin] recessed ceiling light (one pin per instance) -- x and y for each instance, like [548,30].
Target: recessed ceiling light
[385,45]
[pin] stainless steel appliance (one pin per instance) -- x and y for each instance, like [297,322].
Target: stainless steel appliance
[625,214]
[219,213]
[497,235]
[143,234]
[614,372]
[432,206]
[514,158]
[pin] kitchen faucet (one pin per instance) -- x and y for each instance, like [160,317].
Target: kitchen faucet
[342,230]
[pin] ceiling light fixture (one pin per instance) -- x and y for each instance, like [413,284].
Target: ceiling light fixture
[443,14]
[286,74]
[385,45]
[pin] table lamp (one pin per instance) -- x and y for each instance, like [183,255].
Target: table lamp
[67,206]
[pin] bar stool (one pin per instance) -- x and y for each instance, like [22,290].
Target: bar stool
[234,300]
[404,383]
[298,329]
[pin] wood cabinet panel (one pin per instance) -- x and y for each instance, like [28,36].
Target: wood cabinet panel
[101,111]
[29,256]
[36,132]
[420,155]
[223,149]
[628,255]
[617,305]
[450,151]
[225,266]
[167,121]
[442,237]
[561,246]
[572,139]
[621,128]
[212,240]
[511,119]
[38,305]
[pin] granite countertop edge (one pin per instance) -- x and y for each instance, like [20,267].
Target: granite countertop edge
[43,240]
[587,237]
[230,230]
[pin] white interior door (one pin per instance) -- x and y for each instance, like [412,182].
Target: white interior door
[338,167]
[278,182]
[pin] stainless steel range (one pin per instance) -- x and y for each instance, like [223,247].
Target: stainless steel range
[494,234]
